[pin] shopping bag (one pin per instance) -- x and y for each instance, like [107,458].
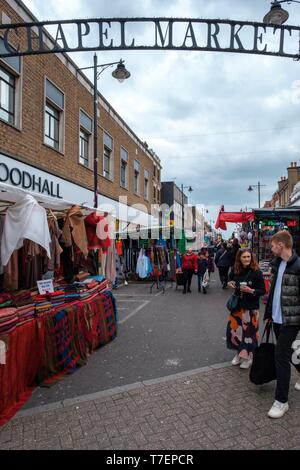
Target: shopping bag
[263,368]
[233,303]
[205,281]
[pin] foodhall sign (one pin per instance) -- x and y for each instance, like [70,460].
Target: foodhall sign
[162,34]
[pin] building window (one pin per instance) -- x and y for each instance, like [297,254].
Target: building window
[146,184]
[51,126]
[7,96]
[107,157]
[154,194]
[85,133]
[10,87]
[158,196]
[154,171]
[84,148]
[136,177]
[158,174]
[54,116]
[123,168]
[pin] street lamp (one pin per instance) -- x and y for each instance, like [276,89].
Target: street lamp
[258,186]
[120,74]
[277,15]
[190,189]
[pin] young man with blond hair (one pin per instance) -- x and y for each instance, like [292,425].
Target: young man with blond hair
[283,309]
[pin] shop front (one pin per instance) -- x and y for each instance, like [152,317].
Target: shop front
[269,221]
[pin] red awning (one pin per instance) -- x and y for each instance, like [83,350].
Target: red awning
[235,217]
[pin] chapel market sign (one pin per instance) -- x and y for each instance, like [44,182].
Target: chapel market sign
[187,34]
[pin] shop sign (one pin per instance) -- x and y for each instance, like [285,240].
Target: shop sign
[292,223]
[45,287]
[30,181]
[187,34]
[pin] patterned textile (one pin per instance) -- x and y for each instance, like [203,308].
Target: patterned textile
[42,350]
[24,346]
[242,332]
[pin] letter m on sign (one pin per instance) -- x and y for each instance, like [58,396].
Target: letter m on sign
[162,38]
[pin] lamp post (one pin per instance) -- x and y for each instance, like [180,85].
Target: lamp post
[120,74]
[190,189]
[258,186]
[277,15]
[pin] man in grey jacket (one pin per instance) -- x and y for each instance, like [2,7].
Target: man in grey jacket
[283,309]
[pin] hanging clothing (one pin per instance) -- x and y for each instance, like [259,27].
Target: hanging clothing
[55,249]
[143,267]
[74,228]
[102,231]
[25,219]
[1,233]
[110,266]
[119,247]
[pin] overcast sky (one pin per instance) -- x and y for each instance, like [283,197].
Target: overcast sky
[218,121]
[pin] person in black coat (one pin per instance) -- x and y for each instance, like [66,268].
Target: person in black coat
[223,261]
[202,261]
[243,325]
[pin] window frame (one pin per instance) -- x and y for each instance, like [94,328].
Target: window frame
[136,172]
[106,148]
[146,185]
[88,133]
[122,161]
[61,117]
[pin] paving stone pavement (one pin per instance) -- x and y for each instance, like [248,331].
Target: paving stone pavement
[210,408]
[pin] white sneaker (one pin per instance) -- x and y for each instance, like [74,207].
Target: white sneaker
[297,385]
[246,363]
[236,360]
[278,409]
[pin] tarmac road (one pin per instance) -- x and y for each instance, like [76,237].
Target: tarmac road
[159,335]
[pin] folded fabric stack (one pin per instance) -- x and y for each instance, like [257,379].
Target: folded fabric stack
[56,298]
[5,300]
[8,320]
[22,298]
[26,313]
[81,276]
[42,305]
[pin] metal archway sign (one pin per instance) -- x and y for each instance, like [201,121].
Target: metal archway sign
[188,34]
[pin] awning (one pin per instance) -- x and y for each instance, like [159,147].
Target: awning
[234,217]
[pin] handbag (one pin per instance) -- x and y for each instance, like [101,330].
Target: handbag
[263,369]
[233,303]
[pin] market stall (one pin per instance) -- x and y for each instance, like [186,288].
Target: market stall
[269,221]
[56,306]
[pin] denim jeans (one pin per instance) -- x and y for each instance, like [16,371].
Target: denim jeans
[285,336]
[200,279]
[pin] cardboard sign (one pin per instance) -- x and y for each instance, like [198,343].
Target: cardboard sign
[46,286]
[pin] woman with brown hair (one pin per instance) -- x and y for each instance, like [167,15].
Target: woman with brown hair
[243,324]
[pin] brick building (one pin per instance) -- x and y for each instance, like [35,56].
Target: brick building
[282,197]
[46,130]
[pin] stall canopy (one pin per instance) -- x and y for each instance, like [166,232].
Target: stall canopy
[235,217]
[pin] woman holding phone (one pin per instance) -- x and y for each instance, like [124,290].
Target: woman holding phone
[243,324]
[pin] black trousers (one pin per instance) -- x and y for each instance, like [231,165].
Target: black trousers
[285,336]
[223,273]
[187,279]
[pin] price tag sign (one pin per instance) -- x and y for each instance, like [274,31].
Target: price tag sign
[45,287]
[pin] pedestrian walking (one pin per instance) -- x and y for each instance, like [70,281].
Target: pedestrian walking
[202,267]
[242,331]
[189,266]
[283,309]
[223,260]
[235,248]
